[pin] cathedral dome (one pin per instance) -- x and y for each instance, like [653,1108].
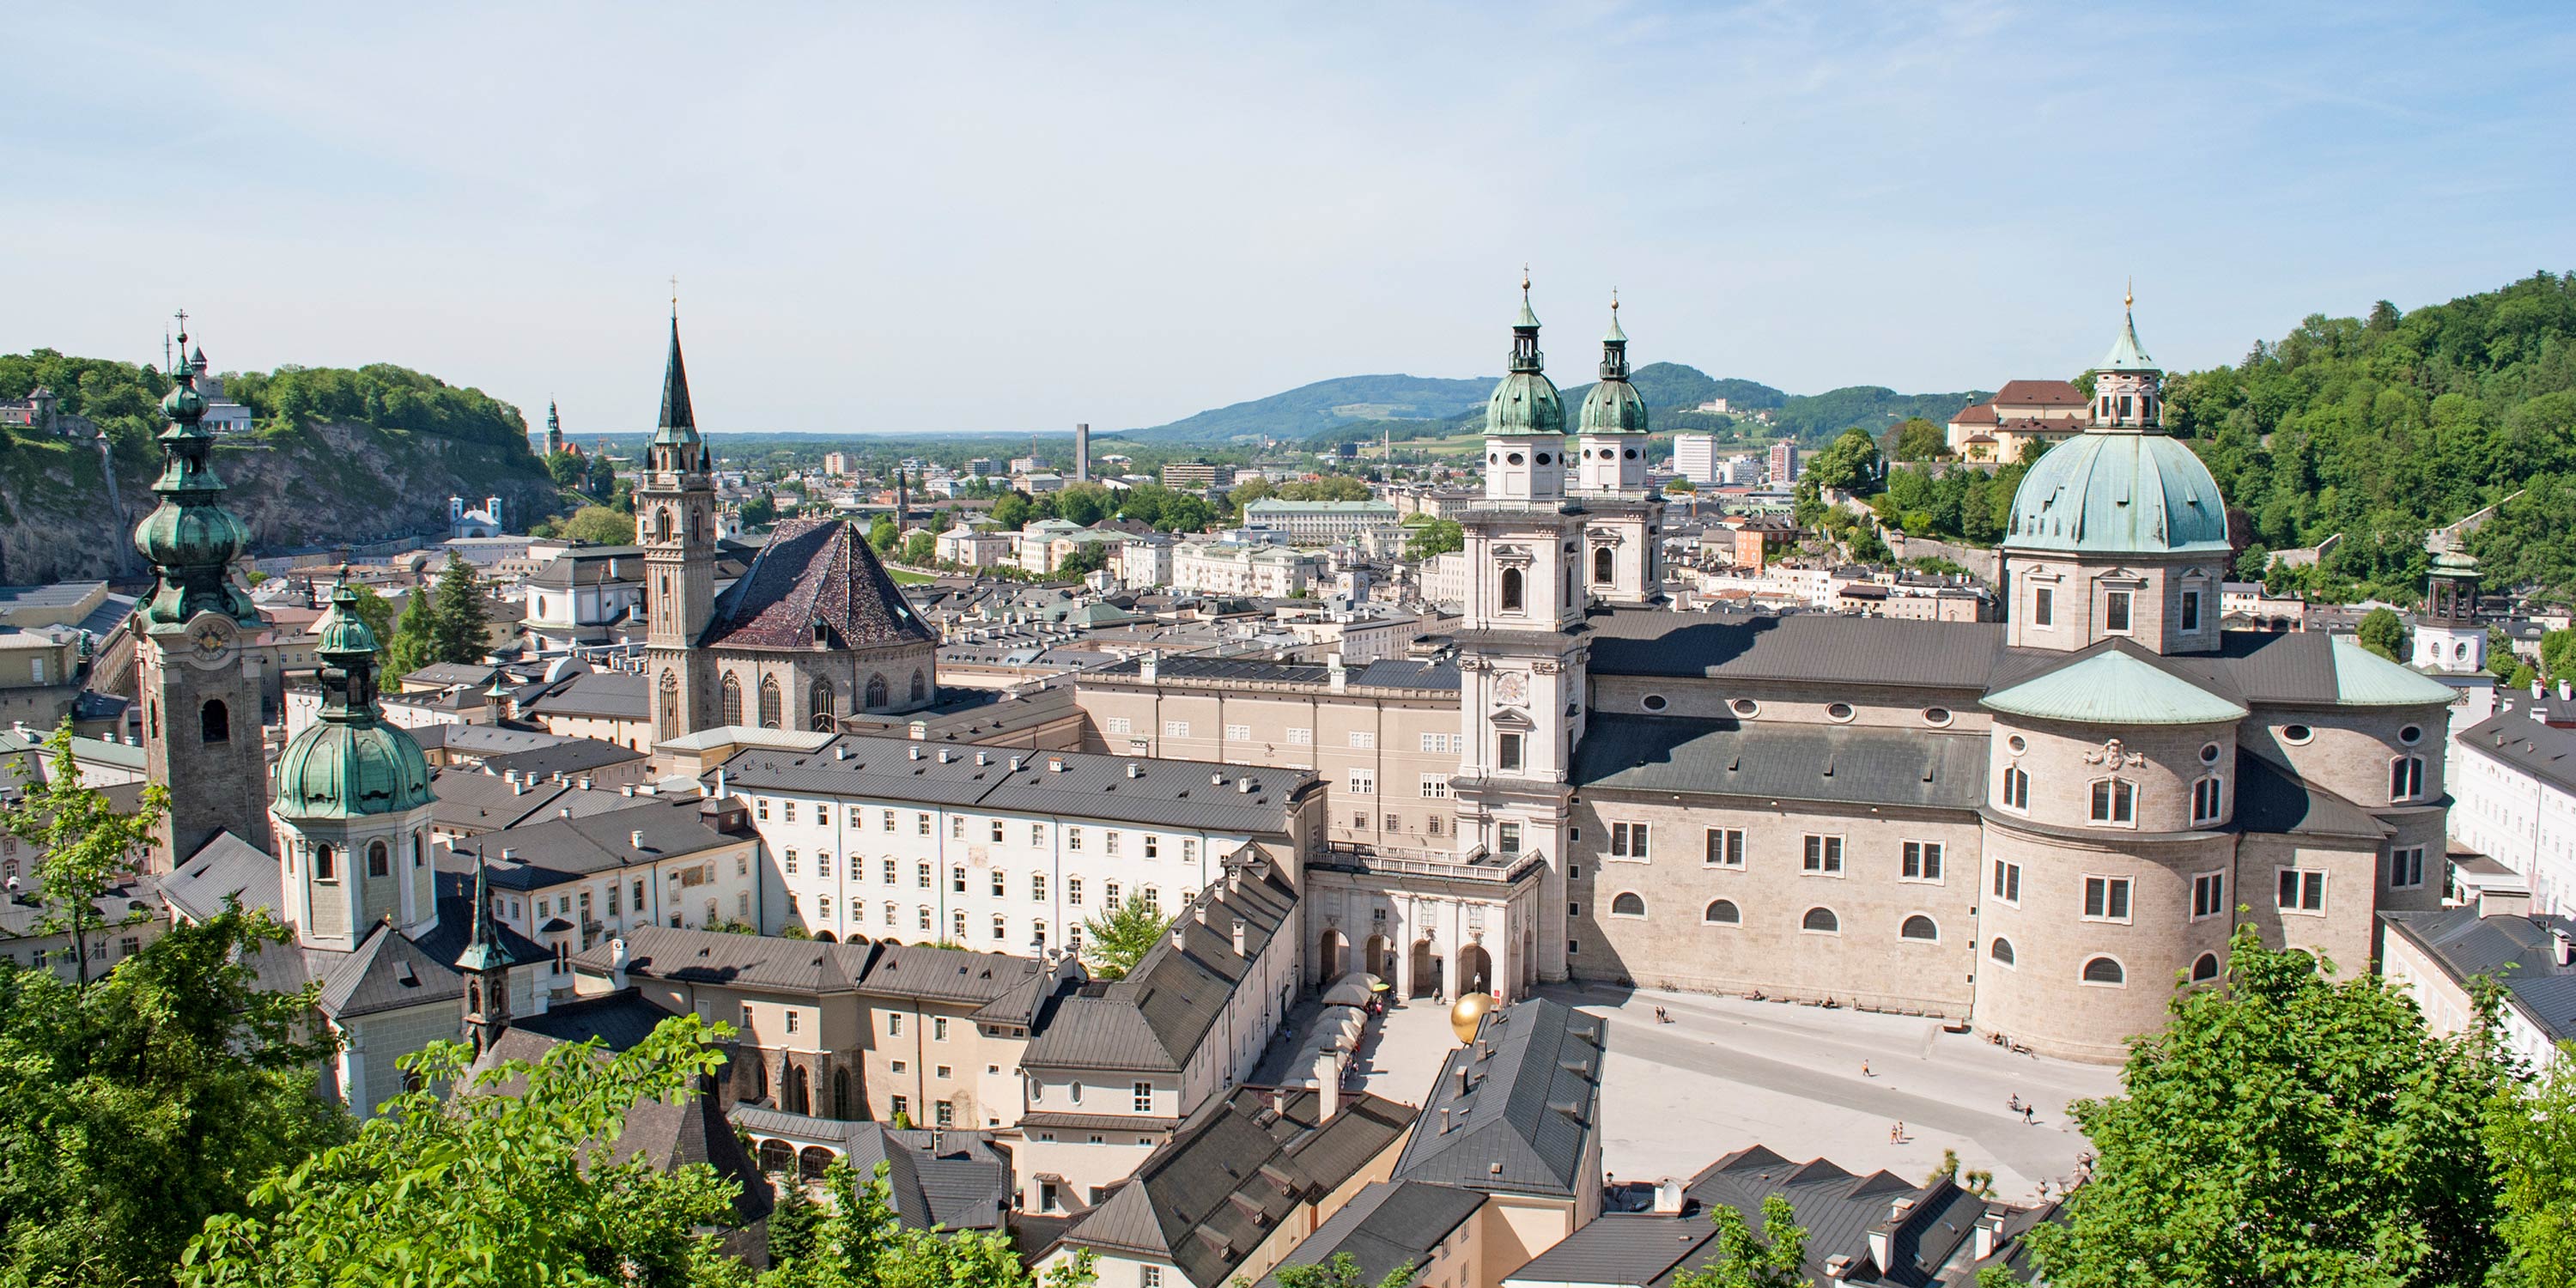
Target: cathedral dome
[2118,494]
[1525,403]
[1613,407]
[342,770]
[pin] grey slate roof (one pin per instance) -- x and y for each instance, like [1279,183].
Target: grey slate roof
[608,695]
[1530,1109]
[1168,793]
[1005,989]
[735,961]
[964,1185]
[2517,951]
[225,867]
[1208,1196]
[1154,1019]
[469,801]
[1389,1224]
[556,850]
[2519,743]
[618,1020]
[1441,674]
[387,972]
[571,756]
[1859,764]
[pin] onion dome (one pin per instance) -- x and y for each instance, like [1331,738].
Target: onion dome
[350,762]
[1525,402]
[1614,406]
[191,539]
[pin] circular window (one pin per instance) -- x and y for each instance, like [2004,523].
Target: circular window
[2297,735]
[1515,458]
[1838,711]
[1493,458]
[1542,458]
[1936,716]
[1652,702]
[2017,744]
[1632,453]
[2209,753]
[2411,735]
[1745,707]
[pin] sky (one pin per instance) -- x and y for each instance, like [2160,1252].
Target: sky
[960,218]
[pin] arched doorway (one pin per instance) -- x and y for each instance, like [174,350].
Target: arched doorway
[1475,969]
[1330,952]
[1381,957]
[1426,969]
[793,1096]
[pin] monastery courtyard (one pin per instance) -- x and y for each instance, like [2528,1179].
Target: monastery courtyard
[1727,1073]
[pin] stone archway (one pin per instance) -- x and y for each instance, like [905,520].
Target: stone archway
[1427,964]
[1331,950]
[1379,959]
[1475,969]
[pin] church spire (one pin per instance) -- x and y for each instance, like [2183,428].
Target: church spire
[191,539]
[1614,346]
[679,423]
[1525,354]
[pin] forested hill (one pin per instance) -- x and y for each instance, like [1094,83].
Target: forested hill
[2383,428]
[338,455]
[1309,410]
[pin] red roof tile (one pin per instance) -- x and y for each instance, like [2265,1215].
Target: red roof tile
[816,582]
[2039,393]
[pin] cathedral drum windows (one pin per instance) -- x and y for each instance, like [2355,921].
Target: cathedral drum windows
[2106,899]
[2115,802]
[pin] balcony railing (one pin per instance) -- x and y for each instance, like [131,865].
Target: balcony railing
[1478,864]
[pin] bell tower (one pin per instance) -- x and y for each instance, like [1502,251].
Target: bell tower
[486,967]
[1620,561]
[2447,634]
[675,522]
[197,655]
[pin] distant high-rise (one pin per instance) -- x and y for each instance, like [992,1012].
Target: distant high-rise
[1082,453]
[1784,463]
[1695,458]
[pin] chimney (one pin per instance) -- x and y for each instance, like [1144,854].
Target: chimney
[1243,785]
[983,758]
[916,752]
[1444,1120]
[1463,1085]
[617,962]
[636,839]
[1176,934]
[1331,1091]
[1147,669]
[1135,770]
[1341,679]
[2504,901]
[720,782]
[1990,1231]
[1055,764]
[1238,936]
[1668,1197]
[2562,948]
[509,855]
[628,790]
[1015,764]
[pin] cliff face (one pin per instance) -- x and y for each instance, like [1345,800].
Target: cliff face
[60,518]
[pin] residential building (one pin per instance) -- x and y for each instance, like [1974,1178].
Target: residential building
[1197,476]
[1234,568]
[971,547]
[1318,522]
[2439,957]
[936,1179]
[2021,414]
[1516,1115]
[583,596]
[2514,797]
[1781,466]
[1695,458]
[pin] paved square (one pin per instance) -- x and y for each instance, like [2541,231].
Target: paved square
[1727,1073]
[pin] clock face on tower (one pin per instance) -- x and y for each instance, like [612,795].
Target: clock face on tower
[1512,687]
[209,639]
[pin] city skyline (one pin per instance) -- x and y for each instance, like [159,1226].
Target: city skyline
[1125,219]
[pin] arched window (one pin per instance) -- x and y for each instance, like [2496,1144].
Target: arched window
[379,859]
[1628,903]
[818,699]
[1601,572]
[326,865]
[2001,950]
[1511,590]
[811,1162]
[1722,912]
[2206,796]
[670,704]
[841,1094]
[920,686]
[662,523]
[876,696]
[214,722]
[776,1156]
[791,1085]
[2205,969]
[2103,970]
[1822,921]
[2405,778]
[772,708]
[732,697]
[1921,927]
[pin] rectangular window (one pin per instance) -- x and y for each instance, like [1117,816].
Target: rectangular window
[2208,895]
[1109,842]
[945,1113]
[957,827]
[1725,847]
[1073,838]
[1507,752]
[1176,728]
[790,808]
[822,863]
[1238,733]
[790,857]
[998,884]
[1628,840]
[1364,739]
[2303,891]
[822,816]
[1150,1277]
[1189,850]
[2115,610]
[1301,737]
[889,872]
[1153,846]
[939,1028]
[1037,835]
[888,824]
[894,1024]
[1435,787]
[2008,882]
[746,1018]
[2106,898]
[1395,822]
[2016,788]
[921,825]
[1120,724]
[921,875]
[2043,607]
[1507,837]
[2406,867]
[957,880]
[1144,1097]
[791,1019]
[1824,854]
[901,1105]
[997,831]
[1922,860]
[2191,610]
[1073,891]
[1037,887]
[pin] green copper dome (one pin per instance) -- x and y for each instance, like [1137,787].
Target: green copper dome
[183,403]
[1526,401]
[349,762]
[2118,494]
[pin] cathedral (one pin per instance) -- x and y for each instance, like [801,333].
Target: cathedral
[812,631]
[2040,827]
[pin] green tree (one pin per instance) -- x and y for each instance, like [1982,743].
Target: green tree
[567,470]
[883,533]
[377,612]
[460,628]
[1342,1270]
[2558,654]
[2287,1127]
[793,1223]
[1435,537]
[760,511]
[1917,439]
[862,1244]
[414,642]
[493,1188]
[1776,1258]
[1085,503]
[2523,677]
[2384,632]
[1850,463]
[2500,655]
[2254,563]
[1012,511]
[134,1109]
[85,847]
[600,526]
[1114,941]
[2531,1133]
[921,549]
[1681,486]
[1084,560]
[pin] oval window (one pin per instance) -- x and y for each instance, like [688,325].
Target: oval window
[1838,711]
[1936,716]
[2297,735]
[1652,702]
[2209,753]
[1493,458]
[1542,458]
[1745,707]
[1632,453]
[1515,458]
[2411,735]
[2017,743]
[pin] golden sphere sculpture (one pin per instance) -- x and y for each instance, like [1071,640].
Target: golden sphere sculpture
[1468,1012]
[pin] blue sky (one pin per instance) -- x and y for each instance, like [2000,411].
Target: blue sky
[937,217]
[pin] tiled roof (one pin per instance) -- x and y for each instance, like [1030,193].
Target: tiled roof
[225,867]
[609,695]
[1859,764]
[964,1183]
[2114,686]
[816,581]
[2271,798]
[2038,393]
[2526,746]
[387,972]
[1528,1113]
[547,852]
[734,961]
[2518,952]
[1171,793]
[1389,1224]
[1153,1020]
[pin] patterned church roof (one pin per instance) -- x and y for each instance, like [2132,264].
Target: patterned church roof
[816,582]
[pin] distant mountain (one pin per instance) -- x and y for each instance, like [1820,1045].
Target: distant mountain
[1671,386]
[1308,410]
[1818,417]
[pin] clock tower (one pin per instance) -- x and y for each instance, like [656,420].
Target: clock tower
[197,647]
[675,522]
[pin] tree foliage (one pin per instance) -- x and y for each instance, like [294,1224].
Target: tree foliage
[1084,559]
[1341,1270]
[493,1187]
[1114,941]
[384,396]
[2383,632]
[460,628]
[1435,537]
[135,1108]
[2286,1127]
[85,846]
[1776,1258]
[414,642]
[598,525]
[861,1244]
[2532,1136]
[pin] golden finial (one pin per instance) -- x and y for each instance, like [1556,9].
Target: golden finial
[2129,300]
[1524,277]
[675,295]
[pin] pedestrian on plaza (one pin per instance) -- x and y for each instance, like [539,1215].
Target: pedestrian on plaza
[2015,1102]
[1864,1070]
[2028,1116]
[1896,1134]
